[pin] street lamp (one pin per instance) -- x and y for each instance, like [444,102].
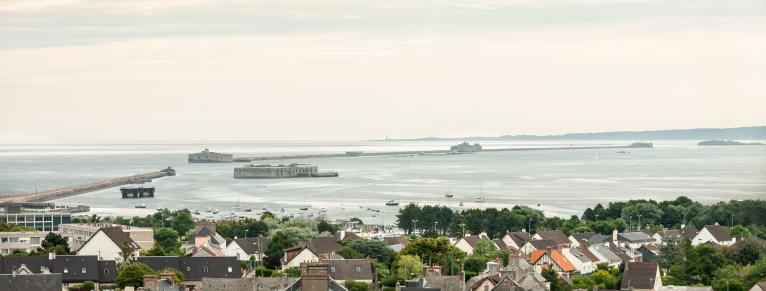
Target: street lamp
[415,225]
[596,217]
[529,225]
[630,221]
[639,222]
[246,232]
[435,227]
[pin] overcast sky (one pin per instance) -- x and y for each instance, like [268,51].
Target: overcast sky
[259,70]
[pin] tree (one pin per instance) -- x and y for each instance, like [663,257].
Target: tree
[484,247]
[375,249]
[324,226]
[551,276]
[649,213]
[127,252]
[132,275]
[356,286]
[55,243]
[279,242]
[408,267]
[88,285]
[293,272]
[349,253]
[178,276]
[167,238]
[182,221]
[739,232]
[407,216]
[434,250]
[475,264]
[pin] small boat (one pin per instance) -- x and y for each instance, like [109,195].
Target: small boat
[304,208]
[480,199]
[248,210]
[392,203]
[282,210]
[449,195]
[209,210]
[323,210]
[158,209]
[196,212]
[140,205]
[215,211]
[461,203]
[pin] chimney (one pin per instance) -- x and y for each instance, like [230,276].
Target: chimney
[398,286]
[45,270]
[524,230]
[461,275]
[150,282]
[716,223]
[342,234]
[614,235]
[170,277]
[425,271]
[51,256]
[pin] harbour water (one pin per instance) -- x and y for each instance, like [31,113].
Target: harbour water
[560,182]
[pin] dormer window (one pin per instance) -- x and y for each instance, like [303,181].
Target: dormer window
[204,269]
[188,269]
[106,271]
[83,270]
[332,269]
[66,270]
[358,269]
[229,269]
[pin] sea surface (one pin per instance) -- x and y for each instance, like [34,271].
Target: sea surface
[559,182]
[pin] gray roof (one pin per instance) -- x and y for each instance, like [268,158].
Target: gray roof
[250,244]
[543,244]
[634,237]
[194,268]
[579,255]
[599,238]
[443,283]
[36,282]
[685,288]
[352,269]
[94,270]
[555,235]
[605,252]
[718,232]
[519,237]
[639,275]
[583,236]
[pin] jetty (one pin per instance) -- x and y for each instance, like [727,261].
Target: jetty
[432,152]
[56,193]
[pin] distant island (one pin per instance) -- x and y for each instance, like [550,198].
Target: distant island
[725,143]
[741,133]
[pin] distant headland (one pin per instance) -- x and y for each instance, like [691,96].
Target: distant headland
[716,142]
[735,133]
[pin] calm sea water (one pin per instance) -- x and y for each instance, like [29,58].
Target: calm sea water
[560,182]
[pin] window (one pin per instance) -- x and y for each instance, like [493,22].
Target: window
[358,268]
[204,269]
[83,270]
[106,271]
[332,269]
[66,270]
[188,269]
[42,268]
[229,269]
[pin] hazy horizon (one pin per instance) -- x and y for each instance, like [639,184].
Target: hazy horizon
[79,71]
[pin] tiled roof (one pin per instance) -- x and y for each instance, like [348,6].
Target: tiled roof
[669,233]
[555,235]
[519,237]
[119,237]
[472,240]
[562,261]
[535,256]
[639,275]
[543,244]
[324,245]
[583,236]
[396,240]
[634,237]
[689,231]
[194,268]
[718,232]
[73,265]
[585,251]
[37,282]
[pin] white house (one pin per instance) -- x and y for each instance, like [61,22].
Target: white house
[296,255]
[713,234]
[582,263]
[106,243]
[555,235]
[469,242]
[760,286]
[244,248]
[516,239]
[535,245]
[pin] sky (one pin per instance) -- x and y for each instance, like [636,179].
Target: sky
[324,69]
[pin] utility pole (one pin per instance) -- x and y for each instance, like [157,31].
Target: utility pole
[529,226]
[639,222]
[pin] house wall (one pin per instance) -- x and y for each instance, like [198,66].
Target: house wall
[510,242]
[705,236]
[580,266]
[303,256]
[463,245]
[20,240]
[485,285]
[527,249]
[101,245]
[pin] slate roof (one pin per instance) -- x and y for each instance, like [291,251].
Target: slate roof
[670,233]
[396,240]
[73,264]
[555,235]
[718,232]
[689,231]
[519,237]
[606,253]
[443,283]
[472,240]
[543,244]
[250,244]
[619,253]
[194,268]
[599,238]
[583,236]
[347,236]
[585,251]
[634,237]
[639,275]
[324,245]
[352,269]
[575,252]
[118,236]
[36,282]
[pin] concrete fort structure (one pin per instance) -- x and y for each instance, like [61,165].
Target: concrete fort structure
[206,156]
[280,171]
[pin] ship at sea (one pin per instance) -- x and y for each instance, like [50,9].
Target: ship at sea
[137,192]
[206,156]
[280,171]
[465,147]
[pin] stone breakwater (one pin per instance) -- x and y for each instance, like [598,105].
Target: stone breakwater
[56,193]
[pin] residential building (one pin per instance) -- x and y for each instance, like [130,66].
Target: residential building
[360,270]
[74,270]
[649,253]
[78,233]
[633,240]
[166,281]
[555,235]
[108,243]
[605,255]
[551,259]
[245,248]
[315,276]
[688,231]
[760,286]
[713,234]
[324,246]
[297,255]
[42,221]
[684,288]
[207,242]
[195,268]
[581,262]
[432,278]
[578,239]
[672,234]
[396,243]
[524,274]
[347,236]
[247,283]
[535,245]
[468,243]
[640,276]
[515,240]
[20,240]
[23,279]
